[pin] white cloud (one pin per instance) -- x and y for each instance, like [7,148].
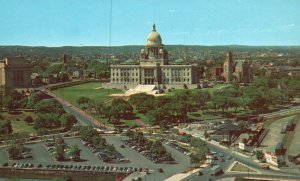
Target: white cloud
[172,10]
[291,25]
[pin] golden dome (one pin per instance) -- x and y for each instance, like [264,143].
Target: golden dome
[154,38]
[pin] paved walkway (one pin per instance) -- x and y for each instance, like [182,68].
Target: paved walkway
[80,111]
[181,176]
[140,122]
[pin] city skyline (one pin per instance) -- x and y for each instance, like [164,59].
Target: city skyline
[87,23]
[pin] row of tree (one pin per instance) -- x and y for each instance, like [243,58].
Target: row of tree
[263,92]
[50,114]
[163,110]
[61,150]
[90,135]
[154,147]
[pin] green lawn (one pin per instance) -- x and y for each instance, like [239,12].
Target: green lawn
[144,118]
[20,126]
[101,119]
[91,90]
[174,91]
[216,87]
[131,123]
[199,116]
[241,168]
[209,89]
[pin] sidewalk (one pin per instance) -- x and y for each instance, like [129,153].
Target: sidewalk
[181,176]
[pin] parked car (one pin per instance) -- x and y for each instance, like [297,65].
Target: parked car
[199,173]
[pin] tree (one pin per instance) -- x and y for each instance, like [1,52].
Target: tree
[259,155]
[201,98]
[49,106]
[183,104]
[59,150]
[121,108]
[87,133]
[28,119]
[33,99]
[99,142]
[99,108]
[55,68]
[83,100]
[9,103]
[67,120]
[41,131]
[5,127]
[142,102]
[157,115]
[111,149]
[74,152]
[15,151]
[47,120]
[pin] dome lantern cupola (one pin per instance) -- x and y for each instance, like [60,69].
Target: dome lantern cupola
[154,38]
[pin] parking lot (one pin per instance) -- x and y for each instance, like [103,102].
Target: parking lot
[294,148]
[91,161]
[274,135]
[138,160]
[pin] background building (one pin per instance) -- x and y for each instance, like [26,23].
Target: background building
[236,71]
[276,156]
[15,72]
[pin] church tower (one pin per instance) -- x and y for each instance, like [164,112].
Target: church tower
[228,67]
[64,58]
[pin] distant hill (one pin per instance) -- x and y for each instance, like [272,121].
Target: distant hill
[92,51]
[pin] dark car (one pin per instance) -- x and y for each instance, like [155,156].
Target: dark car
[199,173]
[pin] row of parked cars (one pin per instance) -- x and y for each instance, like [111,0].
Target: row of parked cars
[79,167]
[97,168]
[23,155]
[23,165]
[146,153]
[179,148]
[102,155]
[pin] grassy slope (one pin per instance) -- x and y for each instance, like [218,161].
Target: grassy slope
[20,126]
[241,168]
[72,93]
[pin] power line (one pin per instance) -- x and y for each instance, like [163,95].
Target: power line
[110,25]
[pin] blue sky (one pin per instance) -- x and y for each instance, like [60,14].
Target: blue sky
[190,22]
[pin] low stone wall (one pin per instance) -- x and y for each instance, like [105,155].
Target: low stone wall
[131,86]
[51,174]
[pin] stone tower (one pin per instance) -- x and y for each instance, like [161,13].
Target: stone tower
[228,67]
[64,58]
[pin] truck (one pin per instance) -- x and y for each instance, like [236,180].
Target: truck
[215,170]
[264,166]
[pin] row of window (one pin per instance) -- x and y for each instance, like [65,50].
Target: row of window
[137,80]
[124,74]
[177,74]
[124,80]
[150,72]
[177,80]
